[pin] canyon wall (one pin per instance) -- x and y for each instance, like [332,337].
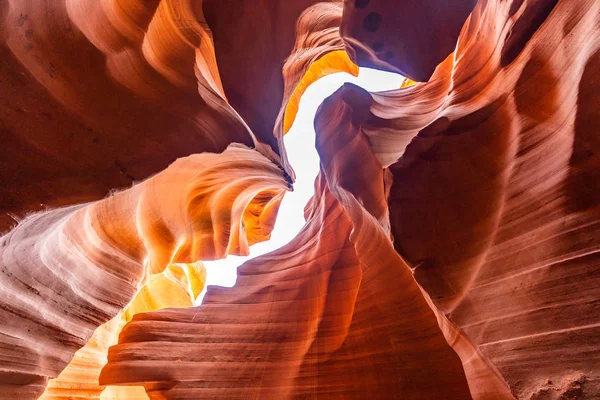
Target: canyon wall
[450,251]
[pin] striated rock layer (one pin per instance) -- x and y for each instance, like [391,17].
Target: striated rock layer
[176,286]
[67,271]
[495,200]
[451,248]
[99,94]
[298,322]
[475,155]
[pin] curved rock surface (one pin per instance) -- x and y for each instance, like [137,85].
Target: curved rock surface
[252,40]
[494,201]
[408,37]
[97,95]
[298,322]
[67,271]
[100,94]
[176,286]
[451,248]
[461,140]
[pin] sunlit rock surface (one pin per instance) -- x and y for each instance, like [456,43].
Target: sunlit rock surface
[125,87]
[67,271]
[495,201]
[451,248]
[176,286]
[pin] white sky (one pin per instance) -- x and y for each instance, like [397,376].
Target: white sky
[300,148]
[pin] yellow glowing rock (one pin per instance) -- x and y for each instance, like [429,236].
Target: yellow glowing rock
[68,271]
[407,82]
[330,63]
[176,286]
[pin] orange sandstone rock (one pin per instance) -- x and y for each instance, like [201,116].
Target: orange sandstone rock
[67,271]
[298,323]
[176,286]
[451,247]
[494,196]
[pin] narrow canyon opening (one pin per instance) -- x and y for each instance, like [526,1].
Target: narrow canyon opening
[304,159]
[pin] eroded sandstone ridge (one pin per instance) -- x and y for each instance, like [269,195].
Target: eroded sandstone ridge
[451,249]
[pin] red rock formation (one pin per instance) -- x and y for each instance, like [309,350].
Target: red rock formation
[252,40]
[67,271]
[494,200]
[451,249]
[318,51]
[298,323]
[98,95]
[176,286]
[408,37]
[87,108]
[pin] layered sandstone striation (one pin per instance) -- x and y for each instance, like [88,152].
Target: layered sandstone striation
[177,286]
[67,271]
[328,305]
[495,200]
[125,87]
[450,250]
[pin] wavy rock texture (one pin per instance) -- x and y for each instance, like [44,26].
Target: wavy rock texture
[494,201]
[176,286]
[99,94]
[337,297]
[298,323]
[340,124]
[318,52]
[252,40]
[67,271]
[484,205]
[451,248]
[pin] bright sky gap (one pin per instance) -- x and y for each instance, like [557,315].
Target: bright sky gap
[301,152]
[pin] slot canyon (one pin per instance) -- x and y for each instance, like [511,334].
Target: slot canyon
[300,199]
